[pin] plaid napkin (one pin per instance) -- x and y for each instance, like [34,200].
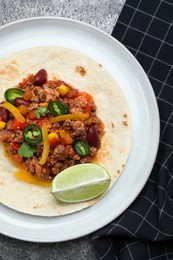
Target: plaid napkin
[145,229]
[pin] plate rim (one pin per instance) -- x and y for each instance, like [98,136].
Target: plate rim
[81,23]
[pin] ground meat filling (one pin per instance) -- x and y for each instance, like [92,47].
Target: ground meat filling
[40,97]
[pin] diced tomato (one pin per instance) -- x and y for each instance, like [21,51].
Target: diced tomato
[41,121]
[15,145]
[87,109]
[31,115]
[16,158]
[25,81]
[16,125]
[70,151]
[72,93]
[88,96]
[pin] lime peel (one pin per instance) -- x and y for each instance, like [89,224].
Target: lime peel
[77,185]
[80,183]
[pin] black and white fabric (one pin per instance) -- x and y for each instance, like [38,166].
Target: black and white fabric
[145,229]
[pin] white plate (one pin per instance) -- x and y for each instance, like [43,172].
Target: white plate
[145,119]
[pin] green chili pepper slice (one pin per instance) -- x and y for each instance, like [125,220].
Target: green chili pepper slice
[82,148]
[58,108]
[12,93]
[32,134]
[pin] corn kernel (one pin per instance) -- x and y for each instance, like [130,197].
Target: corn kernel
[2,125]
[52,136]
[63,90]
[53,139]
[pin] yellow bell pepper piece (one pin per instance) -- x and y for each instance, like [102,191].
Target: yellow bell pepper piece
[46,144]
[89,120]
[63,90]
[23,109]
[14,110]
[2,125]
[79,116]
[44,104]
[65,137]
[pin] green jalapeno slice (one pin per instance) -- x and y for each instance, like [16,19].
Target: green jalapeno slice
[58,108]
[12,93]
[82,148]
[32,134]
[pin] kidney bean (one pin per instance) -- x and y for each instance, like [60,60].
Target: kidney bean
[4,113]
[21,101]
[93,137]
[40,77]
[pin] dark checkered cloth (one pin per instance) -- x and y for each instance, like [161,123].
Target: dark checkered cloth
[145,229]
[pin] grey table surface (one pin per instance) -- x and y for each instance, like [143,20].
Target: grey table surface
[102,14]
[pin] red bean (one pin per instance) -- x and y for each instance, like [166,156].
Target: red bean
[93,137]
[21,101]
[4,113]
[40,77]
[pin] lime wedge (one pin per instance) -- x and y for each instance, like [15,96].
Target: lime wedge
[81,182]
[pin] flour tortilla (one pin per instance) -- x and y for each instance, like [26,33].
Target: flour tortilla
[62,63]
